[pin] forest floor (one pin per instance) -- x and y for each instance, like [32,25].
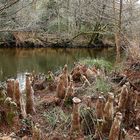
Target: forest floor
[53,118]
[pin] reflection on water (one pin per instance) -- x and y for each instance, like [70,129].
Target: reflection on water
[15,62]
[21,77]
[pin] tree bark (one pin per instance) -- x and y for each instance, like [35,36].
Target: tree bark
[118,33]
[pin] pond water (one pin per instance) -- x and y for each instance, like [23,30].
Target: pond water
[16,62]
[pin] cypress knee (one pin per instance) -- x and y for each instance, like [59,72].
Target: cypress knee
[30,109]
[108,114]
[115,128]
[100,107]
[23,108]
[60,90]
[123,98]
[109,109]
[11,110]
[69,91]
[65,75]
[17,94]
[36,132]
[10,88]
[75,128]
[76,74]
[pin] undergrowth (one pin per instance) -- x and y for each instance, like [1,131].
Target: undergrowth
[98,63]
[57,117]
[102,85]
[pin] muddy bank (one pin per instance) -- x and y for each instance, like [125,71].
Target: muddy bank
[28,44]
[38,40]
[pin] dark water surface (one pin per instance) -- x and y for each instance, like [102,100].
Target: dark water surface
[16,62]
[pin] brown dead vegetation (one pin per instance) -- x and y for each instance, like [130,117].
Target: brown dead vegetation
[100,117]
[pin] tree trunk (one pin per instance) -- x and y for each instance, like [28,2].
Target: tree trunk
[118,33]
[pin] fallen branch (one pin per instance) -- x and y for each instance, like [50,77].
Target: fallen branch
[7,6]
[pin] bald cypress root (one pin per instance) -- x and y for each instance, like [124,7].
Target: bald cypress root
[61,90]
[115,128]
[75,126]
[30,109]
[17,94]
[100,107]
[10,88]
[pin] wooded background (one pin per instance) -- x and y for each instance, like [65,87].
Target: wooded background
[94,19]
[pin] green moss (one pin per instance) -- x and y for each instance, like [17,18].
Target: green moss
[10,117]
[2,96]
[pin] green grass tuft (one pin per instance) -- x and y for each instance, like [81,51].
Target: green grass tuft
[102,85]
[99,63]
[56,117]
